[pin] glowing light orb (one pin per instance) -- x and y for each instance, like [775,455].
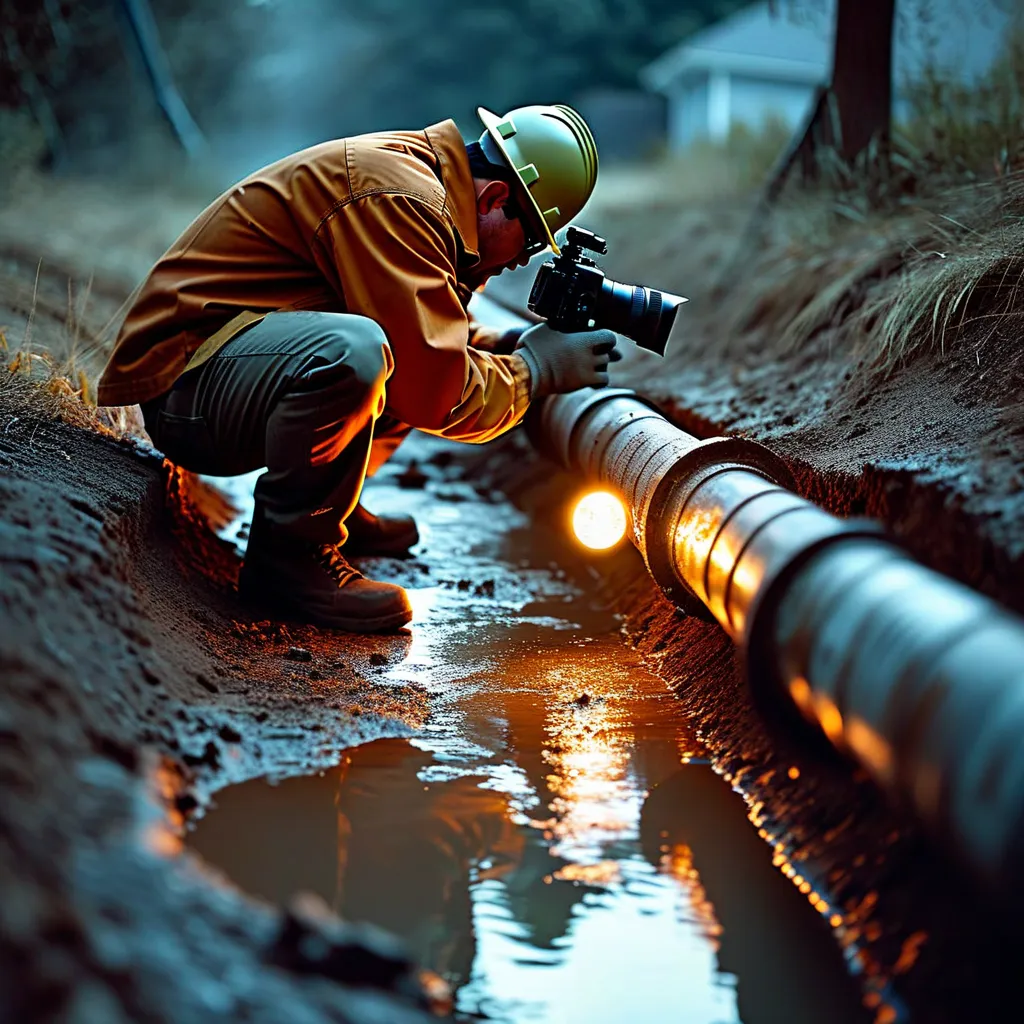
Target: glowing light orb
[599,520]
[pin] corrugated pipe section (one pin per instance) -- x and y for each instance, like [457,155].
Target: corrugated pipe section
[915,676]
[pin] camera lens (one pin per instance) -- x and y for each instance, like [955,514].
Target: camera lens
[643,314]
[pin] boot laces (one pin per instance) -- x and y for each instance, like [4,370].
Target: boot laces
[337,565]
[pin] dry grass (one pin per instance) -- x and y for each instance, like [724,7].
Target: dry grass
[920,279]
[964,279]
[956,131]
[51,371]
[923,259]
[34,382]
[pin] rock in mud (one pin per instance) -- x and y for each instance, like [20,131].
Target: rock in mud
[313,940]
[412,477]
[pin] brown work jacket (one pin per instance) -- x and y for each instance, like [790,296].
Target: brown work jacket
[379,225]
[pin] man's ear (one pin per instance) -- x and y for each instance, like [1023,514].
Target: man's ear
[492,196]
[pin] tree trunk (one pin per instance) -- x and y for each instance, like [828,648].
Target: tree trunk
[862,74]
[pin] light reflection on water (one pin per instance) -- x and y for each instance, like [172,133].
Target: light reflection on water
[510,857]
[541,843]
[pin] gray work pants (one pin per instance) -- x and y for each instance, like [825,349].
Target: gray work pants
[300,393]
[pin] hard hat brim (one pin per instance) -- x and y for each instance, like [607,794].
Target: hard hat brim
[491,121]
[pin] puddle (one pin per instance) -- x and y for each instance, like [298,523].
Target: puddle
[548,843]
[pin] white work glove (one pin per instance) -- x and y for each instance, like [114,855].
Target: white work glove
[565,362]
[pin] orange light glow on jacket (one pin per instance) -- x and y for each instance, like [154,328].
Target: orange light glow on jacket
[378,225]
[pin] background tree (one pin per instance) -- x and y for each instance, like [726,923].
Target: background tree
[264,76]
[862,75]
[850,118]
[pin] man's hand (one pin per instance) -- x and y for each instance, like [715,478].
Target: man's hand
[565,362]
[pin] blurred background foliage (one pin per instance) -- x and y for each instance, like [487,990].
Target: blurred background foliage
[263,77]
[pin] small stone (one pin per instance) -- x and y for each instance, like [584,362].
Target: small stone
[313,940]
[412,477]
[378,659]
[207,683]
[299,654]
[582,700]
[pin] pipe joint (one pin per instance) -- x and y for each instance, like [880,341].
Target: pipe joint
[686,512]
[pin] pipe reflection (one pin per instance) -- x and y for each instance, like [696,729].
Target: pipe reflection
[690,828]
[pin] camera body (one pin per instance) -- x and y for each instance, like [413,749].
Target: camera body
[573,294]
[566,289]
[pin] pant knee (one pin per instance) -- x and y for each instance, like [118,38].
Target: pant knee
[370,353]
[353,351]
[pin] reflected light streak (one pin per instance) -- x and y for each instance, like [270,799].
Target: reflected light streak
[594,798]
[419,659]
[678,862]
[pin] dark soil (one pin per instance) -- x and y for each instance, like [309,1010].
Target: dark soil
[133,687]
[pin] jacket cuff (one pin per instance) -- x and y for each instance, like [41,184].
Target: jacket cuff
[523,380]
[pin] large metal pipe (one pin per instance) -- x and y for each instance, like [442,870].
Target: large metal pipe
[914,675]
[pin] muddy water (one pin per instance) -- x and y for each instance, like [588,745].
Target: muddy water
[549,843]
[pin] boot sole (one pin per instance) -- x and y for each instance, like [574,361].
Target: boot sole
[345,623]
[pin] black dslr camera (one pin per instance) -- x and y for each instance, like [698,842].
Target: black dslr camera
[572,294]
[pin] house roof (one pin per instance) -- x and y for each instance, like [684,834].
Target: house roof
[960,37]
[754,41]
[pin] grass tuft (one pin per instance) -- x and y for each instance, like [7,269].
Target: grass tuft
[961,280]
[37,383]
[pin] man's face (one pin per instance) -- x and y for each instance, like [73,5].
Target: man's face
[501,239]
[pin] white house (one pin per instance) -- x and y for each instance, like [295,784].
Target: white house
[755,64]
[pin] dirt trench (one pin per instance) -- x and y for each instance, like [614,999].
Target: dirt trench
[933,451]
[137,687]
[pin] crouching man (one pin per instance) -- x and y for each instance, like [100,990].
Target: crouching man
[316,312]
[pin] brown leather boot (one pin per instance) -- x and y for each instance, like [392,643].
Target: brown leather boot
[379,535]
[315,584]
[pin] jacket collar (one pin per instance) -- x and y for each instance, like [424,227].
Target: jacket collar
[446,141]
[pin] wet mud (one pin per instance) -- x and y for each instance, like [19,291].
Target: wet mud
[550,842]
[133,687]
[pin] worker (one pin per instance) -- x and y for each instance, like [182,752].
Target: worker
[317,311]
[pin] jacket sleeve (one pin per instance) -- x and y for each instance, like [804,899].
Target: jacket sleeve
[483,336]
[392,257]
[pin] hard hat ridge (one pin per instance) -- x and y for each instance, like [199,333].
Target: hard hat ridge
[588,147]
